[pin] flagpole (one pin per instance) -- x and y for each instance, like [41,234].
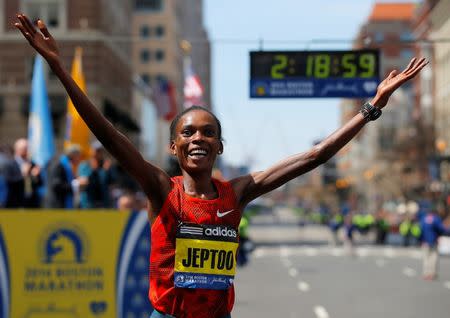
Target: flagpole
[186,47]
[193,89]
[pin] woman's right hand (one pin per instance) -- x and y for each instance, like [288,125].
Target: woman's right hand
[42,41]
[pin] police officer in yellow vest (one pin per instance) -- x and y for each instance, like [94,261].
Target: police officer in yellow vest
[409,230]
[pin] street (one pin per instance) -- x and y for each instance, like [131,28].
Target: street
[285,279]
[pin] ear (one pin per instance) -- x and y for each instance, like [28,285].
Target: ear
[220,148]
[173,149]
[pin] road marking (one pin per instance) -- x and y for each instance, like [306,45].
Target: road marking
[447,284]
[408,271]
[380,262]
[337,251]
[378,252]
[286,262]
[321,312]
[362,252]
[311,251]
[389,252]
[416,254]
[260,253]
[293,272]
[303,286]
[284,252]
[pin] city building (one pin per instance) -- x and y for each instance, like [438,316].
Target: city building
[439,36]
[101,29]
[158,28]
[378,163]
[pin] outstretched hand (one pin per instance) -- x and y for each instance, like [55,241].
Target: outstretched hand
[42,41]
[395,80]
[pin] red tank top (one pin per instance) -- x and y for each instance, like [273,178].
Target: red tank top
[180,207]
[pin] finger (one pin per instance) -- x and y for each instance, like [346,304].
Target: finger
[419,68]
[410,65]
[23,31]
[423,61]
[43,28]
[28,23]
[419,65]
[22,22]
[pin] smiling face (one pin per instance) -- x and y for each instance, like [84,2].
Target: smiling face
[196,142]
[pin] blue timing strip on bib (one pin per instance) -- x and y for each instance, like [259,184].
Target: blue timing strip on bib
[206,281]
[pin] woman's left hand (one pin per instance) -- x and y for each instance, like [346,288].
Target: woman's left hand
[395,80]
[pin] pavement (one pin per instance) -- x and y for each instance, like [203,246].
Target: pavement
[295,272]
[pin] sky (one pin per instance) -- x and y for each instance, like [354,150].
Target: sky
[261,132]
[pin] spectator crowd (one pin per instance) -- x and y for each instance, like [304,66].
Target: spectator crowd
[67,182]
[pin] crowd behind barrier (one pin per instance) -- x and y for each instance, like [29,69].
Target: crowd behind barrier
[66,182]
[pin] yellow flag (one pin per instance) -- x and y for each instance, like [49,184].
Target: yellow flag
[76,130]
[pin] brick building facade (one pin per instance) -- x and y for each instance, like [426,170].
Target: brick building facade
[100,28]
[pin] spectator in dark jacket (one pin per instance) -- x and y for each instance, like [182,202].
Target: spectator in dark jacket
[4,160]
[95,177]
[62,184]
[23,178]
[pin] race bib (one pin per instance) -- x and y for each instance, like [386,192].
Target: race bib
[205,256]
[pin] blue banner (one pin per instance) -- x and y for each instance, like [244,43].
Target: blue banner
[317,88]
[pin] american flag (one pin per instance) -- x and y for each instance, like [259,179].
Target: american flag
[193,89]
[164,97]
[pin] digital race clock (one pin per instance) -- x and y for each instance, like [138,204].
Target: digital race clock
[350,74]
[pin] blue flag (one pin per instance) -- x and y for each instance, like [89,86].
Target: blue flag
[40,128]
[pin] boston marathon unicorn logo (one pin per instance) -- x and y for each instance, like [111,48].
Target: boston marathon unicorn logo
[64,245]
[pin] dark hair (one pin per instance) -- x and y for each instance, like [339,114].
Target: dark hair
[177,118]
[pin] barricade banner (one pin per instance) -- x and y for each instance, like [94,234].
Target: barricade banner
[67,264]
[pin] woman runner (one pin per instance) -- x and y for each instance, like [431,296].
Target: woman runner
[194,217]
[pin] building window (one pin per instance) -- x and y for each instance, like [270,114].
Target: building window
[50,11]
[145,31]
[145,78]
[406,36]
[386,139]
[2,105]
[407,54]
[29,65]
[159,55]
[145,56]
[160,78]
[29,69]
[159,31]
[149,5]
[379,37]
[58,106]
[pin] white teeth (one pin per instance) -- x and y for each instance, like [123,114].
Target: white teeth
[198,152]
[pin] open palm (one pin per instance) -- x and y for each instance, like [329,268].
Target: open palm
[42,41]
[395,80]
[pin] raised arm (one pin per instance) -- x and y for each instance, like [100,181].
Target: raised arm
[251,186]
[154,181]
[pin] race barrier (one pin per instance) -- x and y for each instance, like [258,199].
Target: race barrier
[70,263]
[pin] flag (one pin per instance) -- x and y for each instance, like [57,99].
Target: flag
[193,89]
[77,131]
[40,127]
[164,97]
